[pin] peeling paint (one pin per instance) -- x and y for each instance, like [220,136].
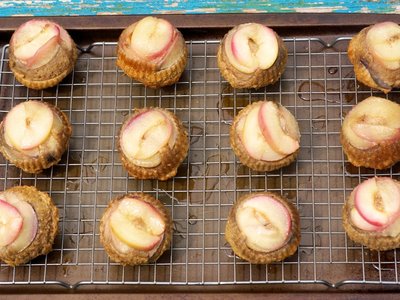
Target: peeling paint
[204,10]
[115,13]
[366,10]
[319,9]
[172,5]
[22,15]
[251,11]
[139,7]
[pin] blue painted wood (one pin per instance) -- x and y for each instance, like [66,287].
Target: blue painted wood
[126,7]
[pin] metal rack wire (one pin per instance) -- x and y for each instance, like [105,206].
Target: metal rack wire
[318,87]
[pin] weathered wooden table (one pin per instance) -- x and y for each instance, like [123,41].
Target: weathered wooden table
[127,7]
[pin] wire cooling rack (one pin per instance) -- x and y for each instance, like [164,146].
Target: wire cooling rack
[318,87]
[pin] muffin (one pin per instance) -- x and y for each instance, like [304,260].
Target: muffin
[135,229]
[28,224]
[153,52]
[370,133]
[263,228]
[371,214]
[41,54]
[251,55]
[265,136]
[375,54]
[152,144]
[34,135]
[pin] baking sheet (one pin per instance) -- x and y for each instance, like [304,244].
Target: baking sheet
[318,87]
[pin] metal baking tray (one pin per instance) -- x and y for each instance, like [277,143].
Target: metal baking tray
[318,87]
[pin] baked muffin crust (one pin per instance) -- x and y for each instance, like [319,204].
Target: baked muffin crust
[239,241]
[47,217]
[130,255]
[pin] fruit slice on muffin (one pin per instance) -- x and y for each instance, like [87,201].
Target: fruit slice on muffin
[28,224]
[370,133]
[34,135]
[263,228]
[41,54]
[152,144]
[153,52]
[371,215]
[265,136]
[375,54]
[135,229]
[251,55]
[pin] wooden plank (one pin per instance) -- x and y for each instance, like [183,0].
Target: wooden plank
[141,7]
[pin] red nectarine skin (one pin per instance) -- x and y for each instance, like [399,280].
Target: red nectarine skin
[157,69]
[131,236]
[41,66]
[265,222]
[237,240]
[359,230]
[34,121]
[158,57]
[270,124]
[146,37]
[364,201]
[240,76]
[47,225]
[365,141]
[131,256]
[253,140]
[10,225]
[387,193]
[168,157]
[378,201]
[237,49]
[34,58]
[369,68]
[245,152]
[146,135]
[252,46]
[361,223]
[30,222]
[43,51]
[47,153]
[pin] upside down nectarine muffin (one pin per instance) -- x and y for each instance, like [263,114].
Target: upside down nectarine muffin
[41,54]
[375,54]
[34,135]
[28,224]
[371,215]
[370,133]
[263,228]
[153,52]
[265,136]
[135,229]
[251,55]
[152,144]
